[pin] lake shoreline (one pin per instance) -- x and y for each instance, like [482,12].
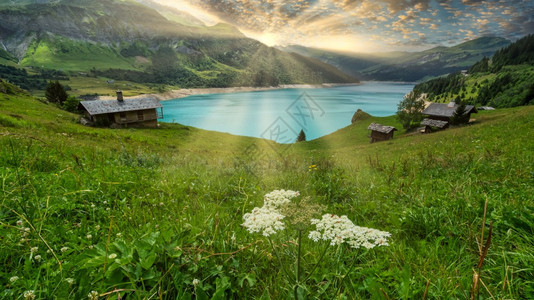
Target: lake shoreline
[182,93]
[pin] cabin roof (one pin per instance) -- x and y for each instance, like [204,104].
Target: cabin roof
[99,107]
[381,128]
[446,110]
[434,123]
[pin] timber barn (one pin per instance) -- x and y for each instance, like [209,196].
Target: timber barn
[381,132]
[120,113]
[444,112]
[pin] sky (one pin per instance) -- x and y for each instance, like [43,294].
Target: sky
[367,25]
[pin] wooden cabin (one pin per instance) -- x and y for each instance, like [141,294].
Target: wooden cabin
[120,113]
[430,124]
[381,132]
[444,112]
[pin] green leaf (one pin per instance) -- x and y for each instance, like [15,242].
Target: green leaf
[222,284]
[147,262]
[92,262]
[200,294]
[250,278]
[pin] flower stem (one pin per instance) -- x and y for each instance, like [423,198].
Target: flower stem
[343,277]
[297,278]
[317,264]
[279,259]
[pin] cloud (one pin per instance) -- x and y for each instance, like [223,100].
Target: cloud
[397,22]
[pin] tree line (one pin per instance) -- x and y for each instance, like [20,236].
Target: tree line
[510,80]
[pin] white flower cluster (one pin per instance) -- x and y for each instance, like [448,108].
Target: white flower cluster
[265,219]
[277,198]
[339,230]
[29,295]
[268,218]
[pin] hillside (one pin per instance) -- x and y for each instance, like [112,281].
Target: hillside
[143,213]
[505,80]
[127,40]
[407,66]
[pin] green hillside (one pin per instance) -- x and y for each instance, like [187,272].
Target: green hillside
[505,80]
[157,213]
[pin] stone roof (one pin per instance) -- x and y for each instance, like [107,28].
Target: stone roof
[446,110]
[381,128]
[99,107]
[434,123]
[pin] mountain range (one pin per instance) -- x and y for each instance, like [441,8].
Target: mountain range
[146,42]
[142,41]
[407,66]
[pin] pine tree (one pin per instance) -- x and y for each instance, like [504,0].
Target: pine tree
[302,136]
[459,116]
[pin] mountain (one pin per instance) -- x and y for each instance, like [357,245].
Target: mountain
[505,80]
[133,40]
[407,66]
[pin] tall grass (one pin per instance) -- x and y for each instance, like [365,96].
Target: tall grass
[157,214]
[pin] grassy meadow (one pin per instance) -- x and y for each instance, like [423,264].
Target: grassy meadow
[156,214]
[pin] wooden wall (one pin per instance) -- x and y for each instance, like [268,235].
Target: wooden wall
[379,136]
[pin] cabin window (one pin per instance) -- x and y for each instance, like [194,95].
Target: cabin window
[123,116]
[140,116]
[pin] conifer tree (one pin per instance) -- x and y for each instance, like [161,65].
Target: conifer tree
[302,136]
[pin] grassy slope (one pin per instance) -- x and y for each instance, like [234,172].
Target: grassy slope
[179,193]
[68,55]
[522,75]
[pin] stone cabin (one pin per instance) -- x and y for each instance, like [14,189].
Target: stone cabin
[444,112]
[381,132]
[120,113]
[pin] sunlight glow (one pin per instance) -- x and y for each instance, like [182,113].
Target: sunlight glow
[202,15]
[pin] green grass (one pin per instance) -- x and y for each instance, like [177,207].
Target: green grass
[169,203]
[68,55]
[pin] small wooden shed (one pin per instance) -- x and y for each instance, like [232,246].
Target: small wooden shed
[138,112]
[381,132]
[431,123]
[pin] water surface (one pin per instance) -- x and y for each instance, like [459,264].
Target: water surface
[280,114]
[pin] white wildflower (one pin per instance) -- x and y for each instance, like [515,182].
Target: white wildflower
[93,205]
[34,249]
[29,295]
[118,235]
[196,282]
[263,219]
[97,227]
[89,236]
[277,198]
[13,279]
[37,257]
[93,295]
[70,281]
[233,238]
[112,256]
[19,223]
[340,230]
[64,249]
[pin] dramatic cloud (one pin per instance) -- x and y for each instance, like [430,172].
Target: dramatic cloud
[367,25]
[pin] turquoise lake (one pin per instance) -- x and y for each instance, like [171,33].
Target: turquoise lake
[279,115]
